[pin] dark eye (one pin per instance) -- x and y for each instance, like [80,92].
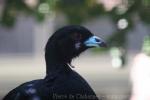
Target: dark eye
[77,36]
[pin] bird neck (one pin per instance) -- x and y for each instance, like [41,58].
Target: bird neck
[54,62]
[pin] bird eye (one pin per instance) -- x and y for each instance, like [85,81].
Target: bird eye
[77,36]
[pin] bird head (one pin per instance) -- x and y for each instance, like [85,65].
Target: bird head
[70,41]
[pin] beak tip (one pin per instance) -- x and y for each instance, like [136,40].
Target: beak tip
[103,44]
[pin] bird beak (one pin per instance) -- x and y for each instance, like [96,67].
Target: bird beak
[95,41]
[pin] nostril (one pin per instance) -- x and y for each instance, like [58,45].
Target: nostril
[97,40]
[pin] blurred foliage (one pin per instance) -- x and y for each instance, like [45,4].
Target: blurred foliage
[13,8]
[146,45]
[79,11]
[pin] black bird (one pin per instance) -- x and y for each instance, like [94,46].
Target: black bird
[61,82]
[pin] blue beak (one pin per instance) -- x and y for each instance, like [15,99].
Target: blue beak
[95,41]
